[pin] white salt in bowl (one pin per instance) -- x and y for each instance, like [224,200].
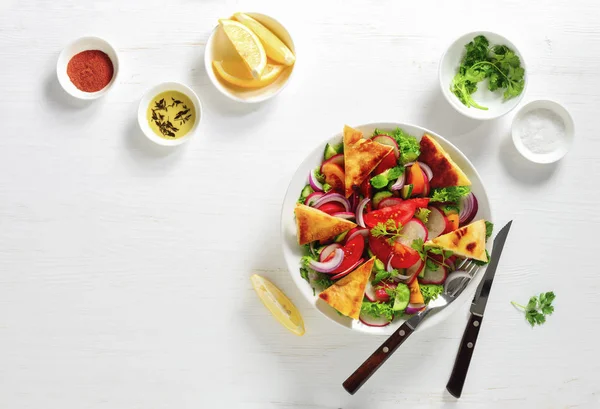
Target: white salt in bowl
[543,131]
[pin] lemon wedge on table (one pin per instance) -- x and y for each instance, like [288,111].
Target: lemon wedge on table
[247,45]
[280,306]
[237,74]
[274,47]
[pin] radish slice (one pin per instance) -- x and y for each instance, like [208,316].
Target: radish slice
[328,250]
[389,202]
[345,215]
[359,212]
[414,270]
[313,197]
[436,223]
[374,321]
[356,231]
[337,159]
[351,269]
[388,140]
[333,197]
[370,290]
[468,206]
[329,265]
[314,182]
[413,308]
[413,230]
[434,276]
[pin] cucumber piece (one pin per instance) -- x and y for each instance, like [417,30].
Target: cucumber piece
[402,297]
[340,237]
[379,196]
[379,264]
[331,151]
[406,191]
[306,191]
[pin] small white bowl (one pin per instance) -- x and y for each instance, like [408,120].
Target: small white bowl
[494,101]
[220,48]
[77,46]
[561,148]
[147,99]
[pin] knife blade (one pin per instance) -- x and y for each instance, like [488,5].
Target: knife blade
[467,345]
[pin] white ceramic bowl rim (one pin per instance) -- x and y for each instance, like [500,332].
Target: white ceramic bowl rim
[292,251]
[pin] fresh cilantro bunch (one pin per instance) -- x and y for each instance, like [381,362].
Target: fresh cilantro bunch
[538,308]
[498,63]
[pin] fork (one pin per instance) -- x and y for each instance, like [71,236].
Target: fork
[451,293]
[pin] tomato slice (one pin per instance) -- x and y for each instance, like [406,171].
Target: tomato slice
[416,178]
[404,256]
[331,208]
[400,213]
[353,251]
[388,162]
[421,202]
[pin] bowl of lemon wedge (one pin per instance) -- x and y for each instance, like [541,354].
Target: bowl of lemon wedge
[249,57]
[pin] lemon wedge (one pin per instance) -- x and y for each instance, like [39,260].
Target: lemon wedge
[280,306]
[275,48]
[247,44]
[237,74]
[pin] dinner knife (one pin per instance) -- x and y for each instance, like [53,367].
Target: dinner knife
[467,345]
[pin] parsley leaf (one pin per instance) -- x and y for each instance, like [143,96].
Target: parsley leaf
[326,187]
[430,291]
[384,275]
[376,309]
[422,214]
[489,229]
[419,246]
[449,194]
[431,265]
[389,229]
[538,308]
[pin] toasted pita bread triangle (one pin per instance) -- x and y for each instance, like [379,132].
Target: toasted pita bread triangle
[468,241]
[346,294]
[361,156]
[314,224]
[445,171]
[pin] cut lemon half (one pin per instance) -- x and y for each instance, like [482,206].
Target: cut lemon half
[275,48]
[280,306]
[237,74]
[247,45]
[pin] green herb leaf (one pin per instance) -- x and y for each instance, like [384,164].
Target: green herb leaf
[376,309]
[389,229]
[430,291]
[538,308]
[489,229]
[449,194]
[422,214]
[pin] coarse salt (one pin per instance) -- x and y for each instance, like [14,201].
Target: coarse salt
[542,131]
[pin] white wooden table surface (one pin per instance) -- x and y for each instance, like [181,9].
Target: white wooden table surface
[124,268]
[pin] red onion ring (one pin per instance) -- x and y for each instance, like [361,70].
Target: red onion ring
[389,269]
[312,198]
[328,250]
[359,212]
[349,270]
[399,182]
[344,215]
[363,231]
[414,308]
[468,208]
[333,197]
[329,265]
[314,182]
[424,167]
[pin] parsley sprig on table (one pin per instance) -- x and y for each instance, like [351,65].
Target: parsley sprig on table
[538,308]
[498,63]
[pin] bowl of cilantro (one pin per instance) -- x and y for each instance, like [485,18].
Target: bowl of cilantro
[482,75]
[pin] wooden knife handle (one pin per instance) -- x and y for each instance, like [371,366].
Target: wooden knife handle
[368,368]
[463,358]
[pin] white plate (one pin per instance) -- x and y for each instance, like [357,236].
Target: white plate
[293,252]
[219,48]
[494,101]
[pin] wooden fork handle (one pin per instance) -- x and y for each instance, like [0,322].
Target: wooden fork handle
[368,368]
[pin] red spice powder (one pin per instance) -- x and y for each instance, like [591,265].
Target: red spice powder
[90,70]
